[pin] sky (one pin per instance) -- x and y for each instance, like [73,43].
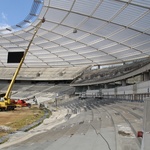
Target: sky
[13,11]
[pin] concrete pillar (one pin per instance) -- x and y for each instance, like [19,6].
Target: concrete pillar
[142,77]
[89,88]
[146,76]
[123,82]
[134,91]
[106,86]
[146,125]
[115,92]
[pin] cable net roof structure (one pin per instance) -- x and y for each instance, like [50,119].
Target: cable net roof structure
[80,32]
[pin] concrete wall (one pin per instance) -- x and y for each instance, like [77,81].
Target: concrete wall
[134,92]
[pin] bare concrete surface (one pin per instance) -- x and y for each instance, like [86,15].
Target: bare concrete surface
[81,125]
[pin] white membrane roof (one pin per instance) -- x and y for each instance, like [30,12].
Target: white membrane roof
[107,32]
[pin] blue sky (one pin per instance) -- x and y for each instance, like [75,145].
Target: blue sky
[13,11]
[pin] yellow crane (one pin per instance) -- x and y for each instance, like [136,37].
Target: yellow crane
[6,103]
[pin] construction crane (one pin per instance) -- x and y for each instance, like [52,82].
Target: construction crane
[6,103]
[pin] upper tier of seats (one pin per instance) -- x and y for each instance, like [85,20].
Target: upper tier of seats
[90,76]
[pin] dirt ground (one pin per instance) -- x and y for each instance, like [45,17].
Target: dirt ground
[13,120]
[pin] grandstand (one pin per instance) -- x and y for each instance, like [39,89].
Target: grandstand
[127,81]
[111,35]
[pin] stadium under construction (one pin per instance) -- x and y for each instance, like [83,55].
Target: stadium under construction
[88,62]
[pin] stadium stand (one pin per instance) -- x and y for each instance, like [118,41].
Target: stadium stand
[90,76]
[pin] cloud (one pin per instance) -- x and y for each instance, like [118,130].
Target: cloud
[3,24]
[4,16]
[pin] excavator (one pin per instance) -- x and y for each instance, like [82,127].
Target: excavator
[5,102]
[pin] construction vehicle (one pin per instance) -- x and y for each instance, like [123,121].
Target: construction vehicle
[6,103]
[22,103]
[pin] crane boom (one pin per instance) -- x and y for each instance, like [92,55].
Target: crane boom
[6,97]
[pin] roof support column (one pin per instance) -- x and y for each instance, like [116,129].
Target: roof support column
[146,76]
[106,86]
[123,82]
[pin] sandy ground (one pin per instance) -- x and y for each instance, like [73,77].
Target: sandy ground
[7,117]
[12,120]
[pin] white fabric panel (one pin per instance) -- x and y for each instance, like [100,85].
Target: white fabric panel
[143,24]
[58,17]
[66,4]
[106,32]
[85,6]
[108,9]
[129,15]
[109,29]
[74,20]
